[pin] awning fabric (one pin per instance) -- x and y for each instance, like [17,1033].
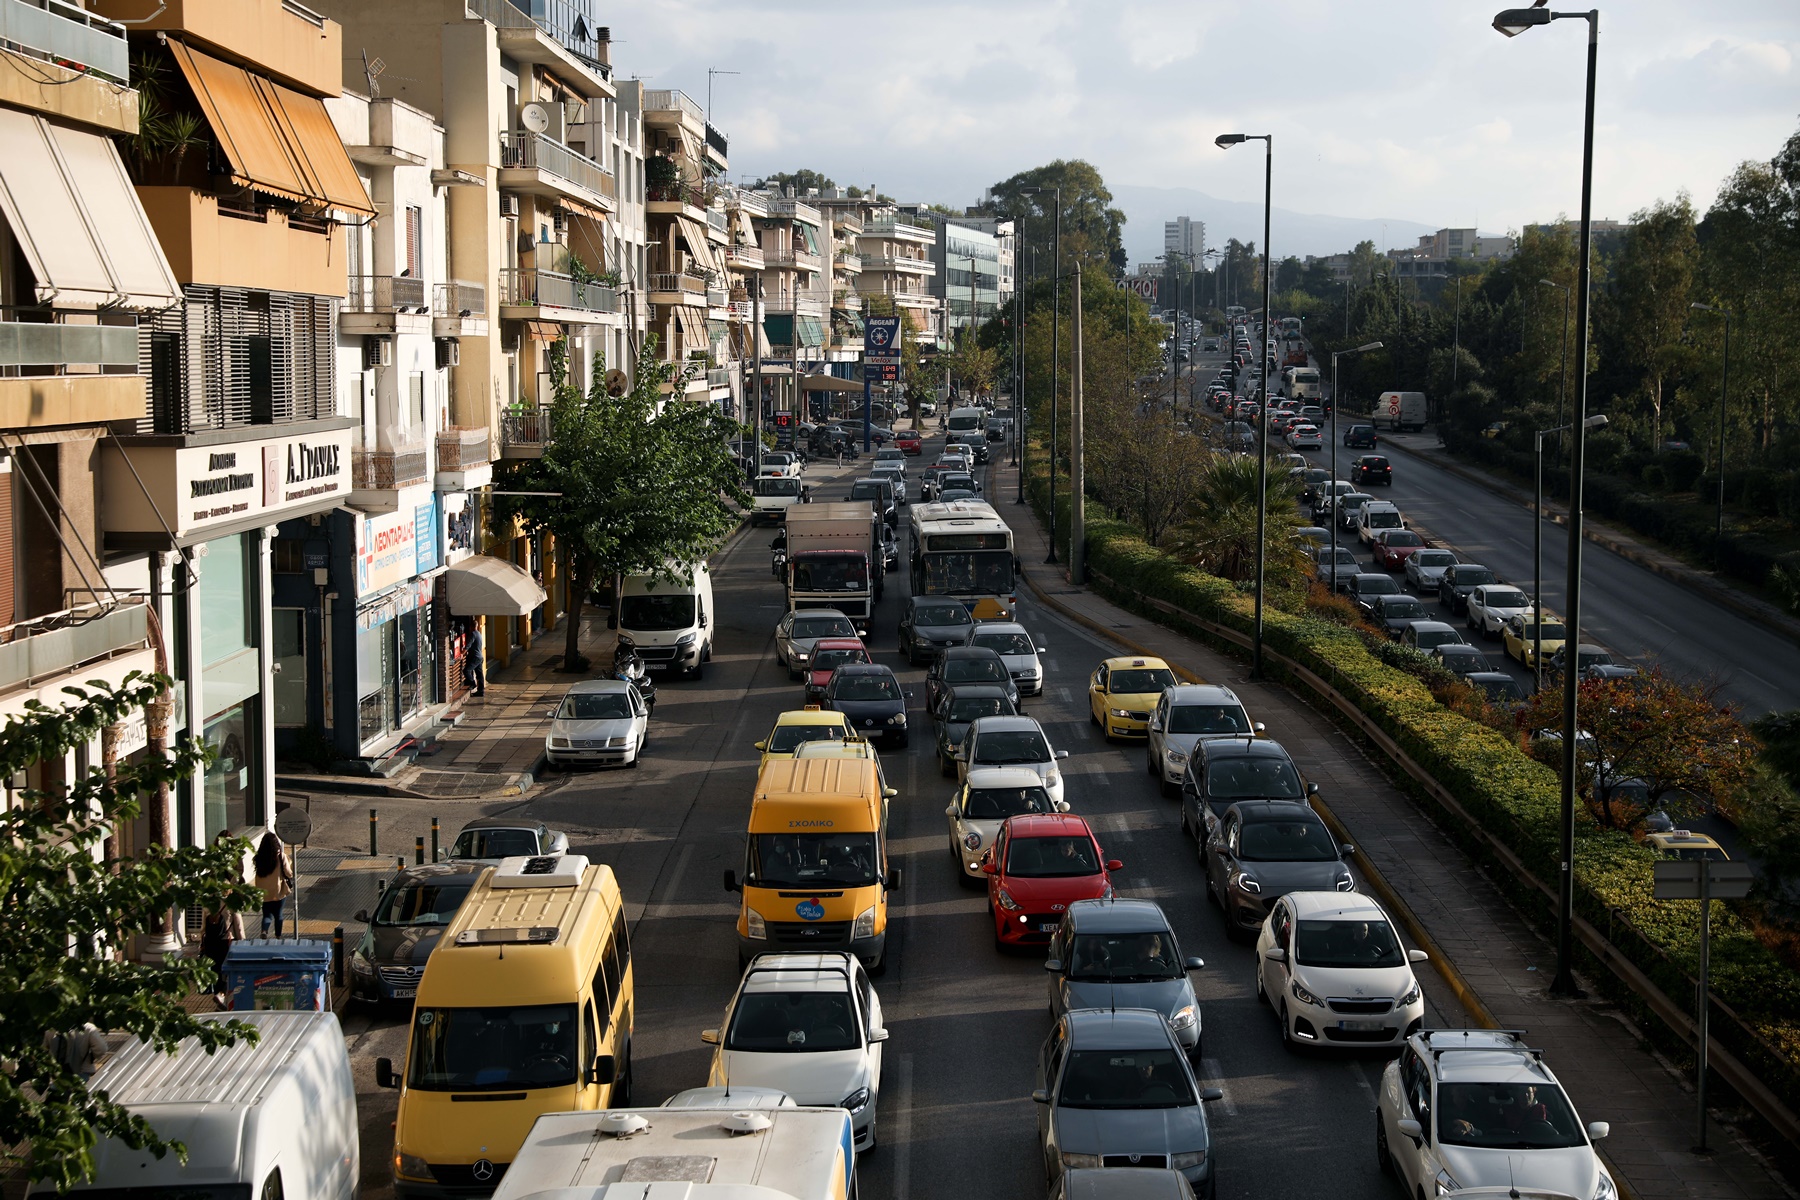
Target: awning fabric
[77,219]
[812,331]
[693,330]
[278,140]
[829,383]
[485,586]
[699,249]
[543,331]
[780,328]
[916,319]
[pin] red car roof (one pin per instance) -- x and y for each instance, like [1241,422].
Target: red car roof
[838,643]
[1047,825]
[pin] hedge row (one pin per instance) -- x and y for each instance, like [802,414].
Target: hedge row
[1513,797]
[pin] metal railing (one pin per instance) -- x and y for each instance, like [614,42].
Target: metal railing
[717,219]
[521,149]
[463,448]
[386,470]
[525,426]
[57,643]
[63,33]
[718,377]
[790,257]
[679,281]
[748,257]
[894,262]
[459,298]
[672,100]
[553,289]
[690,194]
[889,227]
[385,293]
[717,297]
[847,299]
[53,346]
[557,20]
[847,259]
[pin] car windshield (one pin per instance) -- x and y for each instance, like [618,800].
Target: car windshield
[1553,631]
[1207,718]
[1125,1079]
[793,1023]
[427,903]
[1430,639]
[1005,643]
[1504,688]
[787,737]
[594,706]
[845,574]
[1507,1116]
[998,803]
[823,627]
[1286,841]
[939,615]
[1140,682]
[777,485]
[1473,576]
[1434,558]
[862,490]
[1012,746]
[1353,499]
[1401,606]
[865,687]
[974,670]
[493,1049]
[494,843]
[1505,598]
[1052,857]
[825,660]
[1124,957]
[1252,778]
[1383,520]
[656,612]
[1403,537]
[973,708]
[812,860]
[1346,557]
[1377,585]
[1347,944]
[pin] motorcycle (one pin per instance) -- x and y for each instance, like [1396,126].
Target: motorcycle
[630,668]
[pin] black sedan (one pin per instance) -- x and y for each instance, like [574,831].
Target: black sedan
[1462,659]
[870,698]
[1395,613]
[1361,437]
[1372,469]
[1263,849]
[413,913]
[1458,581]
[968,664]
[960,705]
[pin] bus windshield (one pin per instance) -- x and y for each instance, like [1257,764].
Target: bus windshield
[973,573]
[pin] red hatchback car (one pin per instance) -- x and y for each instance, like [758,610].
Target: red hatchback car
[1038,866]
[828,655]
[1394,546]
[908,443]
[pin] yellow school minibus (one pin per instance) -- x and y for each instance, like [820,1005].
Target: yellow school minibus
[525,1008]
[816,872]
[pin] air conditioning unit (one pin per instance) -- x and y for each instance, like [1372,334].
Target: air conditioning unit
[449,352]
[378,352]
[509,204]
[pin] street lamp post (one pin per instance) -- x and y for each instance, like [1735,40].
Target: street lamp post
[1332,483]
[1598,421]
[1262,407]
[1055,345]
[1512,22]
[1019,294]
[1562,370]
[1724,388]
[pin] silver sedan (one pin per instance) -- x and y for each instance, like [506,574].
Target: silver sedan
[798,632]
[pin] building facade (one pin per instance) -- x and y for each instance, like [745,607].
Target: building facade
[1184,236]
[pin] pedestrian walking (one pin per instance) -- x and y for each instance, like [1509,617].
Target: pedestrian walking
[475,665]
[221,928]
[275,876]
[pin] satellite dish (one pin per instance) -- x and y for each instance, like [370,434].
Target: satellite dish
[535,117]
[616,383]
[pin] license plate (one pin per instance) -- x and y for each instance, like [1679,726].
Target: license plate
[405,993]
[1047,926]
[1361,1026]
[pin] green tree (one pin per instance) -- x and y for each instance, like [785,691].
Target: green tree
[1652,287]
[1092,229]
[633,483]
[70,907]
[799,180]
[1220,535]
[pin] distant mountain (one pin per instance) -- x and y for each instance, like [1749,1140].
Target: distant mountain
[1295,233]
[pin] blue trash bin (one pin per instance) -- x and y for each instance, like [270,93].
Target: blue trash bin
[278,973]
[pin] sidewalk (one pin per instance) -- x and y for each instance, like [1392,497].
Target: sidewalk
[1494,959]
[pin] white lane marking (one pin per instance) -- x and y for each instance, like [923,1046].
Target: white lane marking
[667,907]
[902,1141]
[1213,1077]
[1064,693]
[1362,1080]
[1052,664]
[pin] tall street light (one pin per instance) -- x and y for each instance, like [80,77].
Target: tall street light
[1562,371]
[1055,344]
[1020,292]
[1223,141]
[1597,421]
[1332,483]
[1724,388]
[1512,22]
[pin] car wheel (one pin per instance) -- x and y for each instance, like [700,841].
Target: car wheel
[1092,719]
[1384,1158]
[698,671]
[1262,997]
[1150,760]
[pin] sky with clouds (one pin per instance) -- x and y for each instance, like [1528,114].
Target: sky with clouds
[1402,109]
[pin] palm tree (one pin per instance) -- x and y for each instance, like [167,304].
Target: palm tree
[1220,534]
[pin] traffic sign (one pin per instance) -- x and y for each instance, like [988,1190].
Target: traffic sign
[1680,879]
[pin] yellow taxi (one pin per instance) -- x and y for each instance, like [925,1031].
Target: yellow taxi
[1518,637]
[1685,844]
[796,728]
[1122,693]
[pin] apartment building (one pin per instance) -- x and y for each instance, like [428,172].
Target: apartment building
[1184,236]
[744,267]
[896,254]
[966,253]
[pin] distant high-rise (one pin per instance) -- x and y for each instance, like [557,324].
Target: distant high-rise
[1184,236]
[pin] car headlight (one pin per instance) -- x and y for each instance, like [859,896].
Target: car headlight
[1053,778]
[1174,755]
[361,966]
[1247,883]
[920,639]
[1304,996]
[1446,1183]
[1411,996]
[626,639]
[1005,900]
[1182,1018]
[1346,884]
[972,840]
[1119,712]
[1187,1162]
[559,743]
[1029,673]
[856,1101]
[865,923]
[1605,1189]
[410,1166]
[799,656]
[687,639]
[897,719]
[754,927]
[1072,1162]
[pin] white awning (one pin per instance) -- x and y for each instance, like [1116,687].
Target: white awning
[485,586]
[77,220]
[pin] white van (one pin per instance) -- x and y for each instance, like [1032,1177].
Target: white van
[971,420]
[668,618]
[273,1118]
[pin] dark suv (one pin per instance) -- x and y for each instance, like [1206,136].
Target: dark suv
[1223,771]
[871,700]
[1459,580]
[1372,468]
[1361,436]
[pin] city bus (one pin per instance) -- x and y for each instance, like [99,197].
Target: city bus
[963,549]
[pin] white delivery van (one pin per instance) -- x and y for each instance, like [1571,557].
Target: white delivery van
[731,1152]
[1401,410]
[971,420]
[668,618]
[273,1119]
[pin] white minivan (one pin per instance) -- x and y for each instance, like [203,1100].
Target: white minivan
[970,420]
[667,618]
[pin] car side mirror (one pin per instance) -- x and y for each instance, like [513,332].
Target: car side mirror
[1113,864]
[877,1035]
[384,1073]
[888,793]
[604,1070]
[1208,1095]
[1597,1130]
[1040,1096]
[362,914]
[1413,956]
[1347,849]
[987,866]
[731,881]
[1410,1128]
[893,879]
[1275,954]
[1062,754]
[762,745]
[1060,805]
[710,1036]
[1259,728]
[1053,965]
[1192,964]
[1312,789]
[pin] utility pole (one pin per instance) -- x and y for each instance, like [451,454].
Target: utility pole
[1055,344]
[1077,464]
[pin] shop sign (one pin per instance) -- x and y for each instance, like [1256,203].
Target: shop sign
[425,536]
[459,526]
[387,552]
[199,487]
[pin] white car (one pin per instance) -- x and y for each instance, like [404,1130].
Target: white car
[1333,968]
[1013,644]
[784,464]
[982,804]
[1011,742]
[598,721]
[809,1025]
[1492,605]
[1305,437]
[1478,1108]
[1184,716]
[893,472]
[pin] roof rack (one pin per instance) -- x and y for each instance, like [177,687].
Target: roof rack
[776,969]
[1518,1035]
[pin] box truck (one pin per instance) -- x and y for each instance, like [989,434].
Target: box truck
[835,559]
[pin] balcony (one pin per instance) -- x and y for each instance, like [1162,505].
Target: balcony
[745,258]
[97,640]
[542,166]
[717,221]
[548,33]
[284,38]
[678,288]
[524,431]
[553,296]
[377,476]
[673,100]
[847,260]
[266,251]
[718,377]
[717,142]
[682,199]
[464,459]
[798,260]
[57,374]
[384,304]
[459,310]
[846,299]
[898,262]
[888,227]
[61,33]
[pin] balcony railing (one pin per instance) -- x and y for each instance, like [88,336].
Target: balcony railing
[385,294]
[673,100]
[690,194]
[552,289]
[847,260]
[521,149]
[525,427]
[749,258]
[559,20]
[42,347]
[717,219]
[717,140]
[680,281]
[889,227]
[62,33]
[718,377]
[459,299]
[462,448]
[386,470]
[846,299]
[790,257]
[57,643]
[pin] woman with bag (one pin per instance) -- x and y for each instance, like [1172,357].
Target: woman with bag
[222,927]
[275,876]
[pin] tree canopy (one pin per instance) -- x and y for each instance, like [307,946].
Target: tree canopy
[1092,229]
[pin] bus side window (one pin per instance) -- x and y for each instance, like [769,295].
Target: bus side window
[603,994]
[590,1037]
[619,947]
